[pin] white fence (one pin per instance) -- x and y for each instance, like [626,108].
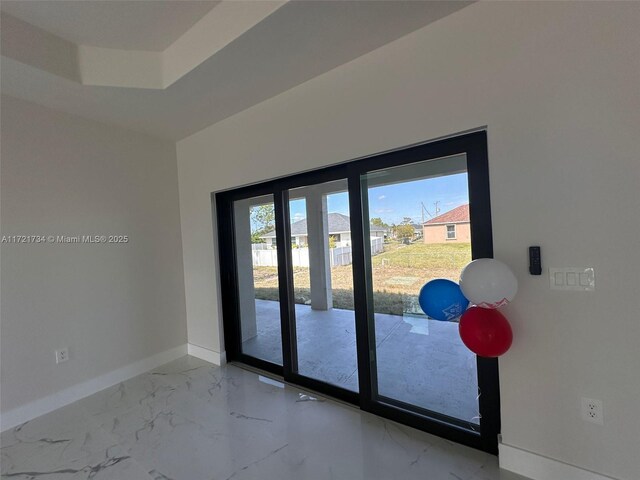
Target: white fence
[268,257]
[377,245]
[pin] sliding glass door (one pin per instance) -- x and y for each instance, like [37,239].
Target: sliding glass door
[420,363]
[324,318]
[257,278]
[321,273]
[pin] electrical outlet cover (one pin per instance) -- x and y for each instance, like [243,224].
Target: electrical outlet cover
[62,355]
[592,411]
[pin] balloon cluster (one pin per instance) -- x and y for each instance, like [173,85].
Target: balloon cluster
[486,283]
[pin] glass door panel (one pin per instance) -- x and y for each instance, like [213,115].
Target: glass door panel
[323,283]
[257,278]
[420,363]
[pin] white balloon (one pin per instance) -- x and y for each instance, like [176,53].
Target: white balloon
[488,283]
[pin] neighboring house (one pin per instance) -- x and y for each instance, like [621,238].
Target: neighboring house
[417,230]
[452,226]
[337,224]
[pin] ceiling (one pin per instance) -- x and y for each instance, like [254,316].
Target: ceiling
[123,24]
[297,42]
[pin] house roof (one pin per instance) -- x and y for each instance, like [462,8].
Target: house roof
[337,223]
[457,215]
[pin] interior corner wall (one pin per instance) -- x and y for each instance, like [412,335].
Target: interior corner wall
[557,86]
[111,304]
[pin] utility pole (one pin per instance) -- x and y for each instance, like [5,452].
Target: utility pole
[424,209]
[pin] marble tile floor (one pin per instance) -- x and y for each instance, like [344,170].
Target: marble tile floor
[190,420]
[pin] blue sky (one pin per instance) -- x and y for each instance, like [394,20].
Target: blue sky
[394,202]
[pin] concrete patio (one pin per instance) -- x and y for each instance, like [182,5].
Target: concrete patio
[420,362]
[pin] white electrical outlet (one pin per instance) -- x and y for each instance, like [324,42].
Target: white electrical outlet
[62,355]
[592,411]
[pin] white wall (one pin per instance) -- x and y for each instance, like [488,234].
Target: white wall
[112,305]
[558,86]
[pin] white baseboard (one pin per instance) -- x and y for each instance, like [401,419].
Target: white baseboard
[538,467]
[207,355]
[24,413]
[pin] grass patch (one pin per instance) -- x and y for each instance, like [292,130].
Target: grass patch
[385,302]
[436,256]
[398,274]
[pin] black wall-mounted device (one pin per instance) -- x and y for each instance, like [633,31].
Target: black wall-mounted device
[535,261]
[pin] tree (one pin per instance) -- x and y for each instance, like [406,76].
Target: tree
[262,221]
[377,222]
[405,229]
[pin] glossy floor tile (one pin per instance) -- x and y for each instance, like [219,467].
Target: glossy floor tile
[190,420]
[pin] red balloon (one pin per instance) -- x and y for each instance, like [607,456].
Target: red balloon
[485,332]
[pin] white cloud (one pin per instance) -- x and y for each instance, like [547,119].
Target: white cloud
[297,217]
[382,197]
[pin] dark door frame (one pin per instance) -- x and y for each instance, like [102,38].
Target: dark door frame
[474,146]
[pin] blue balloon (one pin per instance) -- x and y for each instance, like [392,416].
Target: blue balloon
[442,299]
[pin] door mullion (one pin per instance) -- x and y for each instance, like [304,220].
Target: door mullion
[482,247]
[285,283]
[362,306]
[226,242]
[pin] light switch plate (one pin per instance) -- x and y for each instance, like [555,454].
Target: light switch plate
[579,279]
